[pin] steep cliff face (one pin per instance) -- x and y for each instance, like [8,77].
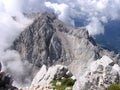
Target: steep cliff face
[40,43]
[49,41]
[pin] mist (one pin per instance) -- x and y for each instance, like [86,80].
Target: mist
[12,23]
[94,13]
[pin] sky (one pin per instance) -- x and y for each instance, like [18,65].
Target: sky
[93,13]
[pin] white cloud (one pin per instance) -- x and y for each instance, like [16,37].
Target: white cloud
[95,27]
[103,10]
[62,10]
[10,28]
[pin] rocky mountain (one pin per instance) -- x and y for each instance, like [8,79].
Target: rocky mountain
[41,42]
[49,41]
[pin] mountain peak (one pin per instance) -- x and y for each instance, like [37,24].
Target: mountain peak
[48,41]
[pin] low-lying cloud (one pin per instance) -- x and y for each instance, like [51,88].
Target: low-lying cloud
[12,23]
[94,12]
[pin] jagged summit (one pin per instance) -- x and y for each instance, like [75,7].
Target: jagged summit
[46,41]
[49,41]
[40,43]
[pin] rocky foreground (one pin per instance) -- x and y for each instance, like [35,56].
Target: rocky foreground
[48,42]
[52,78]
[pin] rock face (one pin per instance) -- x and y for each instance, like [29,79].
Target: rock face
[44,76]
[99,76]
[6,81]
[40,42]
[49,41]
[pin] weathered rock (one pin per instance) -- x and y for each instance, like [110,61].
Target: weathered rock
[40,75]
[99,76]
[44,76]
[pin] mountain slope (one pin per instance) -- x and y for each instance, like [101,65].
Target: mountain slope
[49,41]
[40,42]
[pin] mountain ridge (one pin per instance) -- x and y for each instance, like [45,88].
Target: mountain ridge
[49,41]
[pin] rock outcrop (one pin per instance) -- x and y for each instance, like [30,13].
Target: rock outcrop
[6,81]
[99,76]
[44,76]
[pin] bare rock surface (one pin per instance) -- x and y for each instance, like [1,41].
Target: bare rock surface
[45,76]
[99,76]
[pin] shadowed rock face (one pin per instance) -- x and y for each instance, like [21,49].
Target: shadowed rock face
[6,81]
[40,43]
[49,41]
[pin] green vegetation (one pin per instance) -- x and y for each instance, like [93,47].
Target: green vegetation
[67,82]
[114,87]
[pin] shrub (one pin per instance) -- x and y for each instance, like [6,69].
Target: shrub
[114,87]
[67,82]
